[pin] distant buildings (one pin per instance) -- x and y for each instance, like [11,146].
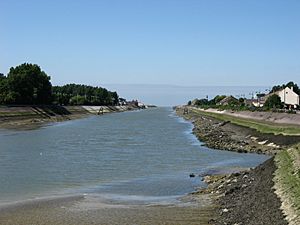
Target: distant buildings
[287,95]
[134,103]
[259,102]
[141,105]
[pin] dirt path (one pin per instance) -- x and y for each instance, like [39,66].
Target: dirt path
[273,117]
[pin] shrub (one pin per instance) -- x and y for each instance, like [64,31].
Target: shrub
[274,102]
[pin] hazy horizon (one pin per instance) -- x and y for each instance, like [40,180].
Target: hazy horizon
[171,95]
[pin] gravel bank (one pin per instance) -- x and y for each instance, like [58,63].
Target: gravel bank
[248,198]
[245,198]
[231,137]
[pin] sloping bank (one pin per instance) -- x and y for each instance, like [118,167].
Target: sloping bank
[268,194]
[32,116]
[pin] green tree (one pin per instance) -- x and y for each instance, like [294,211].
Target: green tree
[3,89]
[28,84]
[200,102]
[294,85]
[68,94]
[77,100]
[289,84]
[218,98]
[273,101]
[115,98]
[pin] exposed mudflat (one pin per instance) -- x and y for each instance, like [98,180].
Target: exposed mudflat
[79,210]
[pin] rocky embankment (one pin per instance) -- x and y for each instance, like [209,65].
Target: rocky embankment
[26,117]
[227,136]
[247,197]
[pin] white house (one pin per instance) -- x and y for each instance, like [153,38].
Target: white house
[288,96]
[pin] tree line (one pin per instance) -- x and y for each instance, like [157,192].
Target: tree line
[290,84]
[27,84]
[77,94]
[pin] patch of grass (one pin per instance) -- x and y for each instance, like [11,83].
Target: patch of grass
[261,126]
[289,178]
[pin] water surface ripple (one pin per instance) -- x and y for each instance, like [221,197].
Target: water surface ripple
[133,156]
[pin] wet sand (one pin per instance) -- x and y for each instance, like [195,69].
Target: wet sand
[83,210]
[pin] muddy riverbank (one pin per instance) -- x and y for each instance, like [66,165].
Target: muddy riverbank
[29,117]
[246,197]
[80,210]
[224,135]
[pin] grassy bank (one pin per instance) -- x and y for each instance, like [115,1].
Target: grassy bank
[287,180]
[261,126]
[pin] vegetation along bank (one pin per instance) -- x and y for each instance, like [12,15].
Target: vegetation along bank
[27,84]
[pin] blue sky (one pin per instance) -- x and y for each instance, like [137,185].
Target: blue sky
[176,42]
